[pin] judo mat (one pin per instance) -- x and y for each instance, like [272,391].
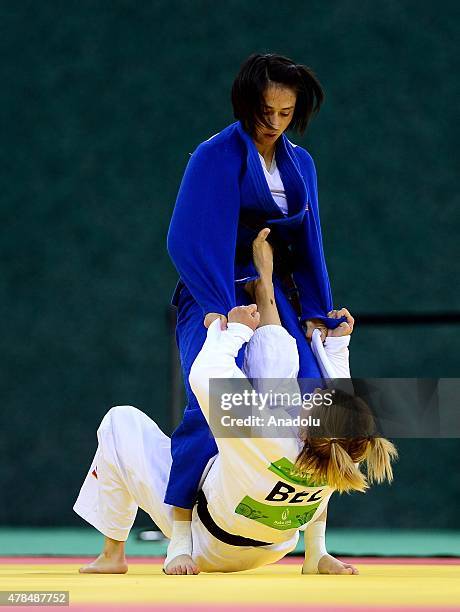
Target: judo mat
[384,584]
[400,570]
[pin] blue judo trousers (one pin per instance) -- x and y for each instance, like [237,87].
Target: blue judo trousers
[223,202]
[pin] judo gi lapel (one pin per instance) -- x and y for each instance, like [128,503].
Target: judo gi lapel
[294,184]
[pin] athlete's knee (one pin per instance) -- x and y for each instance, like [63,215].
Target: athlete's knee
[118,412]
[123,410]
[117,415]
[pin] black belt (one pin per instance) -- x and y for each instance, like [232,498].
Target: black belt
[217,532]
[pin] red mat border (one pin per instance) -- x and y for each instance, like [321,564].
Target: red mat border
[286,561]
[216,607]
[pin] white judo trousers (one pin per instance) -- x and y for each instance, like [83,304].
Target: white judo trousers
[131,469]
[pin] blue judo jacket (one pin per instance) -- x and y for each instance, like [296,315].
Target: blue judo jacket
[223,201]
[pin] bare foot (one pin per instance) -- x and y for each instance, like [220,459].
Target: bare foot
[329,565]
[182,565]
[105,565]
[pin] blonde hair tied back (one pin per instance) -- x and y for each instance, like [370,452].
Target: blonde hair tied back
[380,454]
[342,473]
[335,461]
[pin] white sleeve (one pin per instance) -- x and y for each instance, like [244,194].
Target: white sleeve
[217,359]
[337,352]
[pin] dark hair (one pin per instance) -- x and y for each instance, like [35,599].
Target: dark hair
[259,71]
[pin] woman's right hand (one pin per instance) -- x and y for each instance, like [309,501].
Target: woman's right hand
[212,316]
[246,315]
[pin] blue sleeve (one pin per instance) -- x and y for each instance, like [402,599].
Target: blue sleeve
[310,272]
[202,234]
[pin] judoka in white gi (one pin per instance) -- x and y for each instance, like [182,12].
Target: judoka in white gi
[252,504]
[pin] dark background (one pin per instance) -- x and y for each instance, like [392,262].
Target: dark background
[101,103]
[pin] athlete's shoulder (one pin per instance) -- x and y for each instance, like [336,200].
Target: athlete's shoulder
[225,141]
[301,153]
[305,161]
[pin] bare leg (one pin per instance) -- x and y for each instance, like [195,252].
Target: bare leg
[181,564]
[112,560]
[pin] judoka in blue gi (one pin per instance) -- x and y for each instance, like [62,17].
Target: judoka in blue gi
[223,202]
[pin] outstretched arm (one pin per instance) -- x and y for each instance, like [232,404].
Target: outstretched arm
[217,357]
[317,559]
[261,289]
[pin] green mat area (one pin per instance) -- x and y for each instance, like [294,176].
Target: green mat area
[23,542]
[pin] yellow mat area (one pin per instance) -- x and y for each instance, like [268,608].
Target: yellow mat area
[387,585]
